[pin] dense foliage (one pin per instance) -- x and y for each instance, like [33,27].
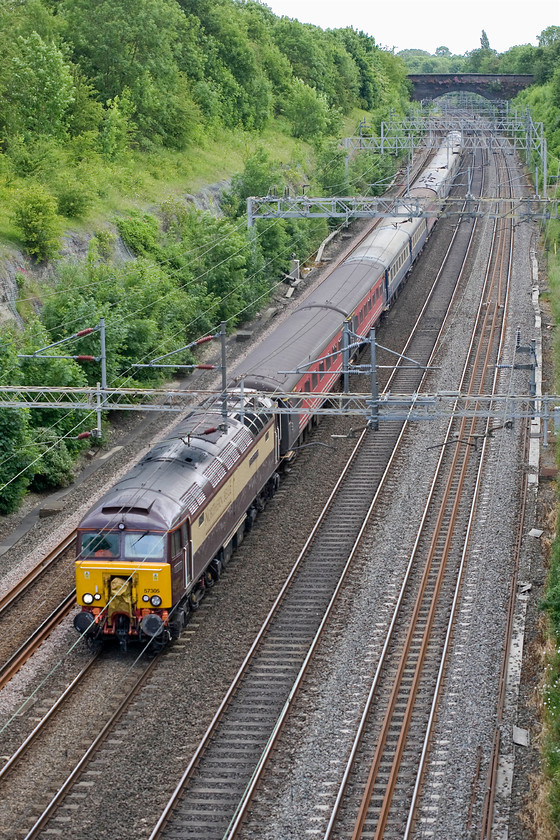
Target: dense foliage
[541,61]
[544,103]
[159,72]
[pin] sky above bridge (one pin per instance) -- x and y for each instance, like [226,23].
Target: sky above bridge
[428,24]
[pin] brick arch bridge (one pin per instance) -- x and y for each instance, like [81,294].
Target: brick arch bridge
[432,85]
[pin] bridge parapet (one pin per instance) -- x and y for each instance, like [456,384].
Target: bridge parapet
[490,86]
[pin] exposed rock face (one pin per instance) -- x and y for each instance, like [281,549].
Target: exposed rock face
[74,247]
[12,262]
[208,198]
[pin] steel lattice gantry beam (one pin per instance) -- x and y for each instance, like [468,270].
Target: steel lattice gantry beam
[394,143]
[503,129]
[360,207]
[395,137]
[419,406]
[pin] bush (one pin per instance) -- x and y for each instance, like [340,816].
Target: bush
[140,231]
[17,452]
[36,218]
[74,200]
[55,467]
[33,157]
[308,111]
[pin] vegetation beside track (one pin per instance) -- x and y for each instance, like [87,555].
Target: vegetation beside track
[547,814]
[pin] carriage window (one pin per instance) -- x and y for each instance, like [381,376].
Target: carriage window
[328,361]
[176,543]
[307,386]
[314,380]
[322,367]
[99,544]
[143,546]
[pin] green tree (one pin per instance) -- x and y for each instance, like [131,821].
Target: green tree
[519,59]
[136,45]
[41,89]
[483,60]
[330,168]
[547,57]
[260,176]
[36,218]
[18,449]
[549,37]
[308,112]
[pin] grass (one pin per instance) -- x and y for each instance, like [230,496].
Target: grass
[142,180]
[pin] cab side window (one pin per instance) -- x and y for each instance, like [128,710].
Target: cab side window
[176,542]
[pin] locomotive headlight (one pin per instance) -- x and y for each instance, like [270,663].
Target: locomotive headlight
[97,596]
[145,597]
[155,601]
[87,598]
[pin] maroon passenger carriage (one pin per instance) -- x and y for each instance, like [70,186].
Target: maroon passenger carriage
[359,290]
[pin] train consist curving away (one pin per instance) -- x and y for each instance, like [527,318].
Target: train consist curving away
[149,549]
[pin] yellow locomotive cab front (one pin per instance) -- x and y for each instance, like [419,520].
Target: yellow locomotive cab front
[148,584]
[123,600]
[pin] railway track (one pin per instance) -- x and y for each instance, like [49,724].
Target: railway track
[45,579]
[35,605]
[409,676]
[284,649]
[45,594]
[216,788]
[86,716]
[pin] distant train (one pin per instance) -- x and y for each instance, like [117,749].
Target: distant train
[155,542]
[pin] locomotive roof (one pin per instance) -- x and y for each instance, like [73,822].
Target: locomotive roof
[310,327]
[178,473]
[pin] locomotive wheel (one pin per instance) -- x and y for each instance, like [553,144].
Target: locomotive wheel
[178,623]
[157,643]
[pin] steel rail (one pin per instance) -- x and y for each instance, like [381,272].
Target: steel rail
[492,778]
[481,360]
[396,612]
[33,574]
[44,720]
[359,826]
[14,663]
[40,823]
[487,811]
